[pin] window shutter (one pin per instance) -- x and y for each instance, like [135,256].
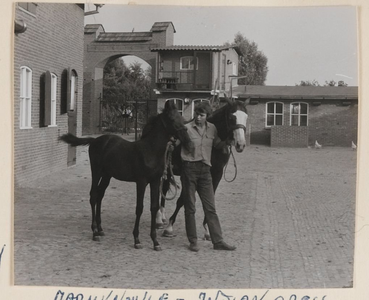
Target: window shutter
[68,88]
[65,91]
[42,100]
[47,110]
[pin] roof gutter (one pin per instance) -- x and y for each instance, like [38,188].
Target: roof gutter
[96,11]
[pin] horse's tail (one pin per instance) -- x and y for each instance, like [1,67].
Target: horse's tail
[75,141]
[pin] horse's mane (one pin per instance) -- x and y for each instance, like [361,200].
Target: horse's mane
[231,106]
[169,113]
[149,126]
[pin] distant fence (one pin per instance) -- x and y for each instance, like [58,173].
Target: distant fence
[125,117]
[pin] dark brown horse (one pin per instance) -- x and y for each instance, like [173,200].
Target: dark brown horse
[230,121]
[141,162]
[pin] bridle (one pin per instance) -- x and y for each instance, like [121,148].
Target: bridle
[234,127]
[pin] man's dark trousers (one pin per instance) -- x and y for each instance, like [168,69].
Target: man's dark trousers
[196,177]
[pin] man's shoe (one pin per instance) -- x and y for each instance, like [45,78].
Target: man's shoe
[194,247]
[223,246]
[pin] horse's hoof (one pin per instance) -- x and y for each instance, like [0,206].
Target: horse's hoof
[138,246]
[101,233]
[167,233]
[159,225]
[207,237]
[157,248]
[96,238]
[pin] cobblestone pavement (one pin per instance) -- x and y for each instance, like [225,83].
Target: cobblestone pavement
[290,212]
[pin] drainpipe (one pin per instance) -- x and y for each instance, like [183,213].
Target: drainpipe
[19,26]
[96,11]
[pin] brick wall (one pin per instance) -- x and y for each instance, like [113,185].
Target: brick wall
[259,135]
[331,123]
[96,55]
[289,136]
[53,42]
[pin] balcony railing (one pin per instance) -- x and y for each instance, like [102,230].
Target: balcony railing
[184,80]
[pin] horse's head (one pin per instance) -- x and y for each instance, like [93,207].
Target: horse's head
[174,124]
[230,121]
[239,126]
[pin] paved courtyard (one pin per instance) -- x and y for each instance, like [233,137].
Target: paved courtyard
[290,212]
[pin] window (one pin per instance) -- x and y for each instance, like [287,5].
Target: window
[299,114]
[188,63]
[48,88]
[274,114]
[54,82]
[194,102]
[178,103]
[25,97]
[234,69]
[68,89]
[72,91]
[28,6]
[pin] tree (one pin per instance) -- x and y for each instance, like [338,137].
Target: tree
[122,86]
[252,63]
[316,83]
[308,83]
[333,83]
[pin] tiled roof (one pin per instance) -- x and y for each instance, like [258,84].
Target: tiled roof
[296,92]
[124,37]
[194,48]
[161,26]
[91,28]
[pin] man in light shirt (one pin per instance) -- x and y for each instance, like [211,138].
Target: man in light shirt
[196,177]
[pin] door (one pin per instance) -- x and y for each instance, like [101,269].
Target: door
[72,114]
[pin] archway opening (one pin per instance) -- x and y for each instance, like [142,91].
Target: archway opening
[127,90]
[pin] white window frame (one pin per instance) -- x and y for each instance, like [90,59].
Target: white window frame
[25,99]
[274,114]
[30,7]
[54,85]
[191,65]
[234,69]
[299,114]
[72,91]
[194,102]
[177,100]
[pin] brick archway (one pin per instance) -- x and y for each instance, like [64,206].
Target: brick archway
[102,47]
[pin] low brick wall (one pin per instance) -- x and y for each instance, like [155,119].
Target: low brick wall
[289,136]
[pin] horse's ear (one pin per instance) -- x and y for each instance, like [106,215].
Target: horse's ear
[169,106]
[229,101]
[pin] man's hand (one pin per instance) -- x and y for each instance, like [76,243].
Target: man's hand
[229,141]
[171,147]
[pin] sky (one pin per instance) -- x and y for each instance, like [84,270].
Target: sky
[301,43]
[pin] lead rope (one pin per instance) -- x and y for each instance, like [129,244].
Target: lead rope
[234,163]
[168,165]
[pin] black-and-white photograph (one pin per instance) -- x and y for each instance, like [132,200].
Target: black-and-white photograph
[169,147]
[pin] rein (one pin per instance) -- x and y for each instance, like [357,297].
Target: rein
[168,165]
[234,164]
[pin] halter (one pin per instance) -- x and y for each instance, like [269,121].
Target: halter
[234,127]
[231,129]
[237,126]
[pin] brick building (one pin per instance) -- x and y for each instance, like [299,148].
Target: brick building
[297,116]
[48,81]
[102,47]
[189,74]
